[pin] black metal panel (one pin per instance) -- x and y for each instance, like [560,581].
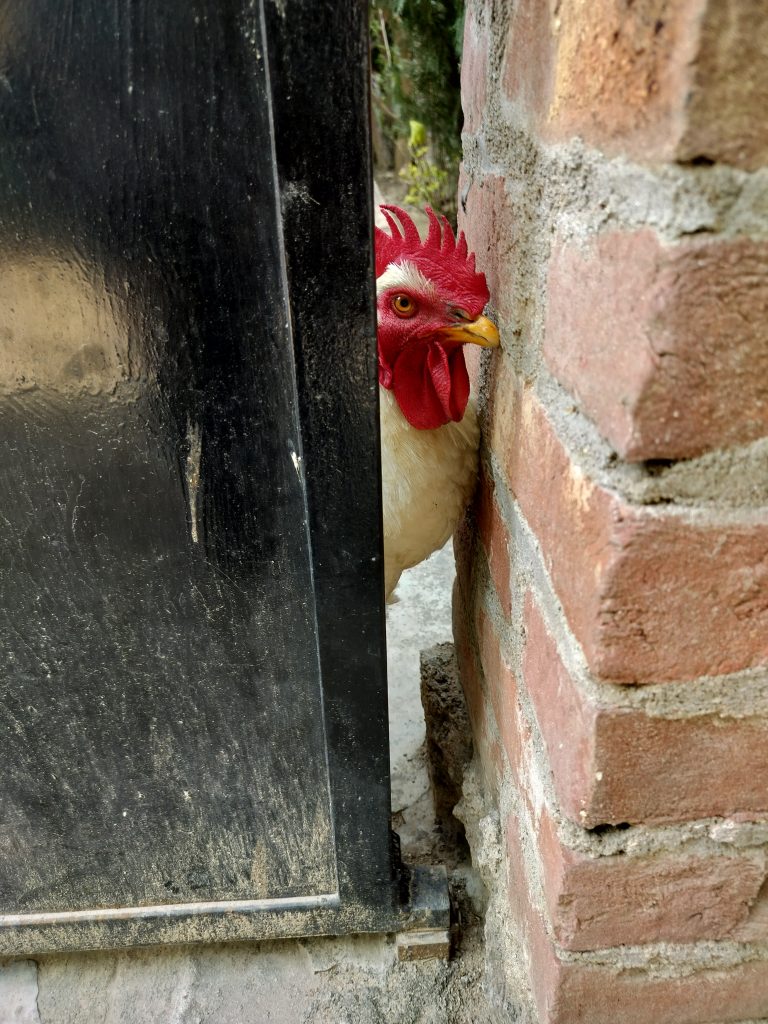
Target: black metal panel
[329,252]
[192,695]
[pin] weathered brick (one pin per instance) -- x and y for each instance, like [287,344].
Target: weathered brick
[577,992]
[529,61]
[611,765]
[619,75]
[492,232]
[650,594]
[656,80]
[474,70]
[495,539]
[665,347]
[586,994]
[467,662]
[486,744]
[729,84]
[464,554]
[755,927]
[501,687]
[602,901]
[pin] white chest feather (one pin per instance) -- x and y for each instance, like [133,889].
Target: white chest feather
[427,477]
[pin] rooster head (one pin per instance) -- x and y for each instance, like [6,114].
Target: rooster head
[430,301]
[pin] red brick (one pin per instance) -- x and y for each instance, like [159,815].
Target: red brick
[665,347]
[755,927]
[487,679]
[529,60]
[650,595]
[577,992]
[493,233]
[495,539]
[474,71]
[611,766]
[464,554]
[729,83]
[474,357]
[606,995]
[486,745]
[617,79]
[656,80]
[502,690]
[468,668]
[601,901]
[527,924]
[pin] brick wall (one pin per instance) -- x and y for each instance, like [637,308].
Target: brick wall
[611,606]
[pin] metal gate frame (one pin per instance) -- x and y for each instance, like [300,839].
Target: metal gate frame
[316,52]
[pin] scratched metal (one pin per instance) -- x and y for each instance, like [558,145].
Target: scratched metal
[192,699]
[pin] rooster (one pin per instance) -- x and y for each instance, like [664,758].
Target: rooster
[430,301]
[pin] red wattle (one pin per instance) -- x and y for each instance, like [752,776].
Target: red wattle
[431,385]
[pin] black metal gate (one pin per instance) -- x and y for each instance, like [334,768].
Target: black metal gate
[193,739]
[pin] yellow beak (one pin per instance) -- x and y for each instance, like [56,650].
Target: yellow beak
[477,332]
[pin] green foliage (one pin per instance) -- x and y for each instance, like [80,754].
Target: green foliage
[418,135]
[416,47]
[428,184]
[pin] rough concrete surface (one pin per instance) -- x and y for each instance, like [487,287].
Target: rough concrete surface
[419,619]
[18,993]
[449,733]
[355,980]
[331,981]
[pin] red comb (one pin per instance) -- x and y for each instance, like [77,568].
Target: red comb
[441,257]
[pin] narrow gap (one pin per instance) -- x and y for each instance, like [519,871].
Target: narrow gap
[418,620]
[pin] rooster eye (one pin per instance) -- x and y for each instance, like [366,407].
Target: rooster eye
[461,314]
[403,305]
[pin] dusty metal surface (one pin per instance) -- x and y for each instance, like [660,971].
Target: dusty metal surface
[192,690]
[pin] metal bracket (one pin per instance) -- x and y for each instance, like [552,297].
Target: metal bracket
[425,915]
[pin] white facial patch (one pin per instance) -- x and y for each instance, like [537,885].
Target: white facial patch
[407,276]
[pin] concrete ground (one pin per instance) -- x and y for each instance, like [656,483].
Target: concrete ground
[420,618]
